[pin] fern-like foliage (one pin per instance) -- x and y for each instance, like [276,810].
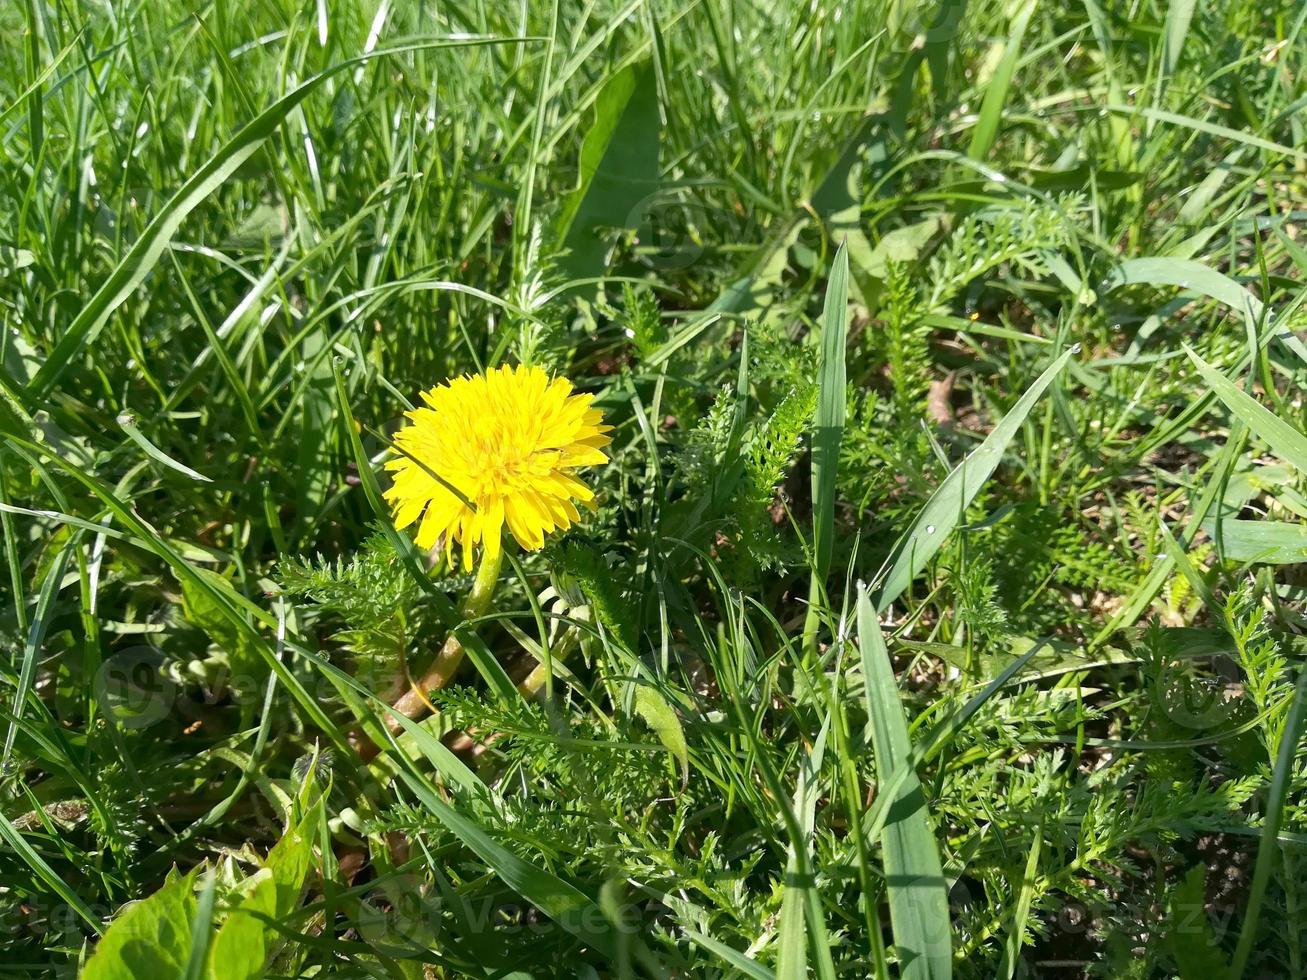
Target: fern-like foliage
[1265,667]
[641,321]
[379,609]
[587,777]
[542,336]
[978,603]
[990,238]
[770,454]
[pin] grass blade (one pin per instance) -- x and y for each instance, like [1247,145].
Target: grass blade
[33,860]
[1159,270]
[1286,441]
[41,78]
[935,741]
[128,424]
[154,240]
[800,902]
[1179,14]
[1212,129]
[945,508]
[32,648]
[564,903]
[918,895]
[154,542]
[1268,850]
[745,966]
[202,928]
[828,436]
[1021,915]
[991,109]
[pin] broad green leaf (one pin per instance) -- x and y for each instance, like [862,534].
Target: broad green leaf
[747,296]
[204,610]
[947,505]
[791,938]
[1189,940]
[837,196]
[914,879]
[291,859]
[1053,658]
[653,708]
[1264,542]
[12,259]
[900,245]
[149,938]
[244,941]
[240,947]
[618,169]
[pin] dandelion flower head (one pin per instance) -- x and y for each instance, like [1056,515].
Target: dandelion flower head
[509,442]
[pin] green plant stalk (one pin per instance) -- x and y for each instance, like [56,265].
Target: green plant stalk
[1268,848]
[414,703]
[534,683]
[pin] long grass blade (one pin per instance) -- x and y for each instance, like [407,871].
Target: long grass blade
[150,539]
[1268,849]
[991,109]
[33,645]
[29,856]
[948,504]
[1179,14]
[154,240]
[918,895]
[1286,441]
[563,902]
[828,435]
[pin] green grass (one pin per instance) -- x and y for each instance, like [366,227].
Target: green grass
[941,616]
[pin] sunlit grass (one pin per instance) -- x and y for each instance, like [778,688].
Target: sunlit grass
[938,617]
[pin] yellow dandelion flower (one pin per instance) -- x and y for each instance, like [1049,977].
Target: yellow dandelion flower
[509,442]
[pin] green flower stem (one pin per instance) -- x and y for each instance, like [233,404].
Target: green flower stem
[414,703]
[533,683]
